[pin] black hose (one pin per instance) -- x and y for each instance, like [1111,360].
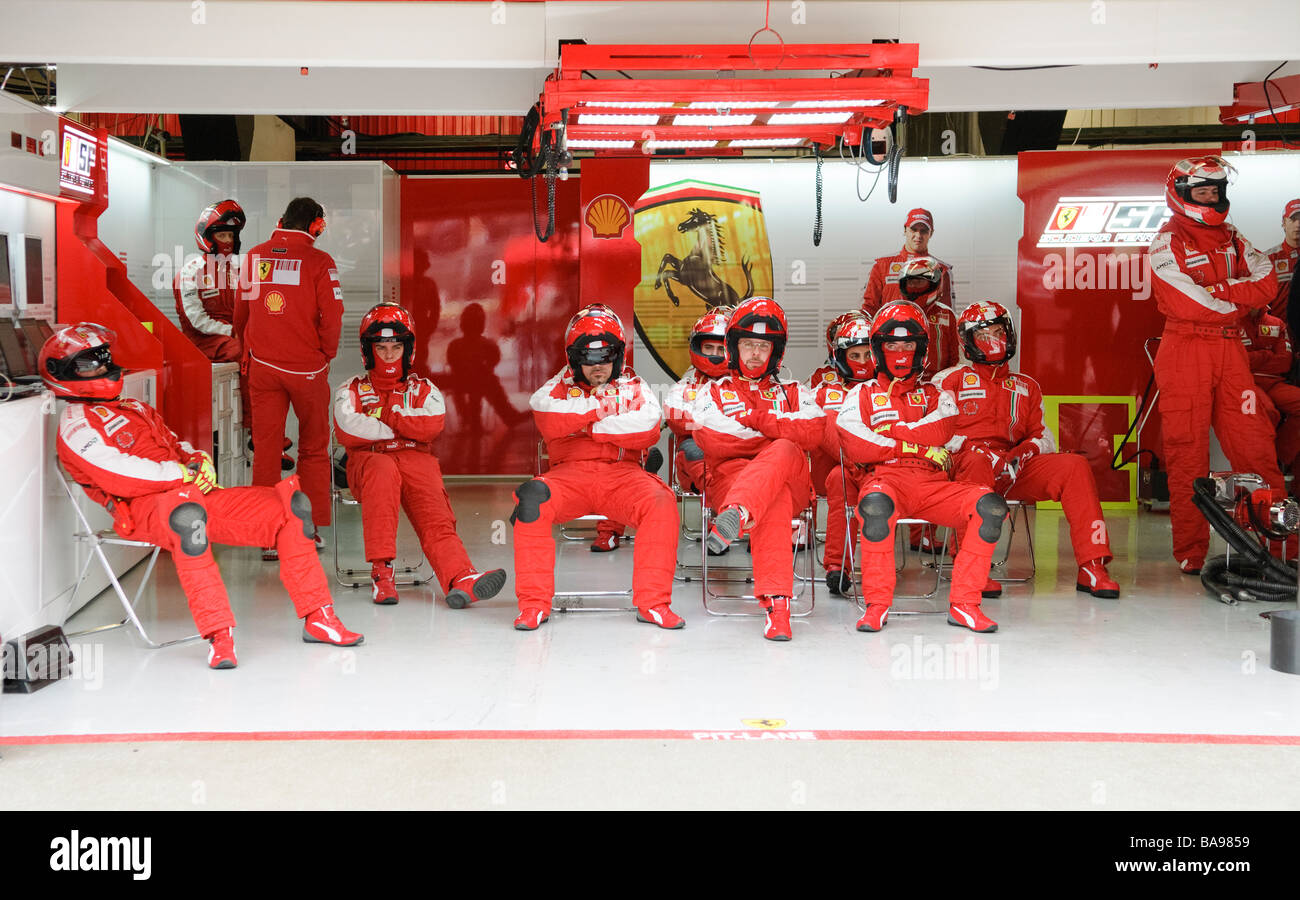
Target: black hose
[1255,574]
[1229,586]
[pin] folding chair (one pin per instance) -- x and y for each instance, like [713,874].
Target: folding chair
[849,564]
[342,496]
[98,539]
[807,582]
[1019,510]
[572,601]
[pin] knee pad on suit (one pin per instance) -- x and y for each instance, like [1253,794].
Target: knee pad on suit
[691,450]
[992,510]
[875,510]
[531,495]
[300,506]
[189,521]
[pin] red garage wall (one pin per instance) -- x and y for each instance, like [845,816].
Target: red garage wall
[490,304]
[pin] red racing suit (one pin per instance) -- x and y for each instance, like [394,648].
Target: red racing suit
[595,438]
[1205,277]
[127,459]
[830,393]
[206,289]
[289,323]
[389,437]
[895,431]
[1285,258]
[1000,418]
[755,435]
[689,461]
[939,306]
[1269,350]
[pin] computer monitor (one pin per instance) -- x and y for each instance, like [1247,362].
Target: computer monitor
[6,282]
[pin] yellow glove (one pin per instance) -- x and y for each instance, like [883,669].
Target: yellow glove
[202,474]
[940,456]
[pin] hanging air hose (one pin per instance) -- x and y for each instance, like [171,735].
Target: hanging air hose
[540,159]
[1252,573]
[817,216]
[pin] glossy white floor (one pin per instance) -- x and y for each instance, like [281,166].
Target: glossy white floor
[1163,698]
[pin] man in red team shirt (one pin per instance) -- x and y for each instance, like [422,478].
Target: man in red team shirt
[1001,442]
[163,491]
[1269,350]
[1206,275]
[289,323]
[882,283]
[895,428]
[387,420]
[1285,257]
[755,430]
[597,421]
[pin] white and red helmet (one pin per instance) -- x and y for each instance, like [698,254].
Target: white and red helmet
[224,216]
[985,348]
[387,322]
[833,328]
[918,277]
[761,318]
[712,326]
[71,357]
[900,320]
[1200,171]
[595,336]
[854,332]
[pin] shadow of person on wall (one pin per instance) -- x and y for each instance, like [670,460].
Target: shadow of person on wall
[471,361]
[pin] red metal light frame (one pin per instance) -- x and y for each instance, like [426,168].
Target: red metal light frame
[876,72]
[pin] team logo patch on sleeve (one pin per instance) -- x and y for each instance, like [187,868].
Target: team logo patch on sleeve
[334,274]
[275,303]
[1270,330]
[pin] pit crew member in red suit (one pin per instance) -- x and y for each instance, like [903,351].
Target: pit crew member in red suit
[895,428]
[1285,257]
[387,420]
[755,430]
[597,421]
[1206,275]
[854,365]
[289,323]
[1001,442]
[163,491]
[825,377]
[207,286]
[1269,350]
[882,283]
[708,351]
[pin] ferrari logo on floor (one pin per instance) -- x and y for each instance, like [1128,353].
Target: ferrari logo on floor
[763,723]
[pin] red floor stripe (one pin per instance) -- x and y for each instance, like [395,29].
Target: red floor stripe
[1089,737]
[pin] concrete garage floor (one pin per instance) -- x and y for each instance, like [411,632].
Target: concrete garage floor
[1162,699]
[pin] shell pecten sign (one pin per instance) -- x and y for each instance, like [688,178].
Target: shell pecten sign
[607,216]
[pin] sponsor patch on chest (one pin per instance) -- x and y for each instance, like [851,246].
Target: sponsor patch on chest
[1196,259]
[280,271]
[884,415]
[977,394]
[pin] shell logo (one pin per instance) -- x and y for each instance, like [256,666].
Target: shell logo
[274,302]
[607,216]
[832,395]
[970,379]
[829,376]
[575,392]
[880,399]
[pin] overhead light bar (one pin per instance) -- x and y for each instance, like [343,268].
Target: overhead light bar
[595,145]
[610,119]
[828,118]
[702,120]
[767,142]
[835,104]
[654,145]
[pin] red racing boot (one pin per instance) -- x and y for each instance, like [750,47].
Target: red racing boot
[475,586]
[991,589]
[727,527]
[661,615]
[777,626]
[221,652]
[322,626]
[874,618]
[1094,579]
[968,615]
[531,619]
[384,592]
